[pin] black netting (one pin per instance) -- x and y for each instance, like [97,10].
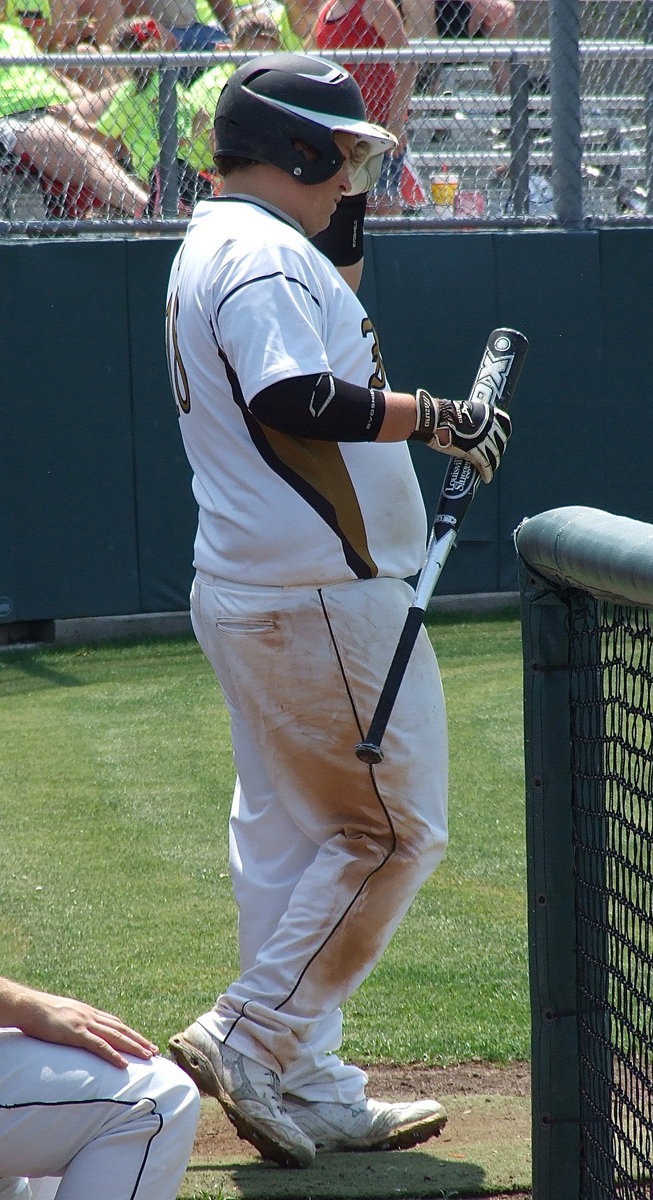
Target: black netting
[611,683]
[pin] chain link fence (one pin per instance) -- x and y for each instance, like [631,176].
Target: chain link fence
[509,113]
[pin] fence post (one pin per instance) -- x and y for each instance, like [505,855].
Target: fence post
[168,141]
[566,144]
[519,135]
[648,107]
[551,922]
[592,888]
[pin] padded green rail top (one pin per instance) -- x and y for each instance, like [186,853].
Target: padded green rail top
[609,556]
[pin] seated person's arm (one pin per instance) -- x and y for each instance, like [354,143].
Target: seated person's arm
[86,110]
[70,1023]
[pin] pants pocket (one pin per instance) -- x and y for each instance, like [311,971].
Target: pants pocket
[244,625]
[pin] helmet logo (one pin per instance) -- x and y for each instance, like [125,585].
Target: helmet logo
[335,75]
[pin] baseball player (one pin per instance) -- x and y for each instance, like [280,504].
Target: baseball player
[86,1098]
[310,520]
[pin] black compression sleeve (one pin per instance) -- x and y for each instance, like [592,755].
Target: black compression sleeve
[321,407]
[342,240]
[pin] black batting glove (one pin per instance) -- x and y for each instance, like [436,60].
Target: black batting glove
[469,429]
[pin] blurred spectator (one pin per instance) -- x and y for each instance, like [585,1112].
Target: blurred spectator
[36,137]
[93,75]
[291,18]
[432,19]
[130,122]
[56,24]
[255,31]
[386,88]
[60,24]
[181,18]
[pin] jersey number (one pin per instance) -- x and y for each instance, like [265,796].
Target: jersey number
[178,376]
[378,378]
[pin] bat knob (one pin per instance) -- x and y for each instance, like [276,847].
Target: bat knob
[369,753]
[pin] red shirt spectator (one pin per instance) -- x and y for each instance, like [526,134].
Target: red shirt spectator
[377,81]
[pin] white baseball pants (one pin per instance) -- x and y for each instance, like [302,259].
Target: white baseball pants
[29,1189]
[326,853]
[110,1134]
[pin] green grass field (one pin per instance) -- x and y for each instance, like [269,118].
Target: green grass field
[115,783]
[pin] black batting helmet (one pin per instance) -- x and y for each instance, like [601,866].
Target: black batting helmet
[277,100]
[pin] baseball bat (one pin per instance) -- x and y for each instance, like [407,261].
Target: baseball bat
[495,382]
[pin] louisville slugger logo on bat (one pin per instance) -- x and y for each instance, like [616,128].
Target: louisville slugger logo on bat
[461,478]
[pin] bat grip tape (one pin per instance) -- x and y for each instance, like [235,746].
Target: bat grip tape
[395,675]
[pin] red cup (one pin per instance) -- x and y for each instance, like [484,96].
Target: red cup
[469,204]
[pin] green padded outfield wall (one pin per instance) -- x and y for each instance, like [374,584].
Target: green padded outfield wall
[96,512]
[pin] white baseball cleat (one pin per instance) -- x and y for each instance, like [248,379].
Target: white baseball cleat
[368,1125]
[249,1093]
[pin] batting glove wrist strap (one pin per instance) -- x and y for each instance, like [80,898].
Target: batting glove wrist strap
[471,429]
[426,416]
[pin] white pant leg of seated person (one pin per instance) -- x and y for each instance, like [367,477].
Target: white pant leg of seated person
[106,1131]
[28,1189]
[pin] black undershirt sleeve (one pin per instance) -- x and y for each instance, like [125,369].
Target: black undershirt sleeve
[342,240]
[321,407]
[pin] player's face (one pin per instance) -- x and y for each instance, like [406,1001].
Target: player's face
[320,200]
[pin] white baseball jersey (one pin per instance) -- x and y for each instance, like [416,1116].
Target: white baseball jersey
[251,302]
